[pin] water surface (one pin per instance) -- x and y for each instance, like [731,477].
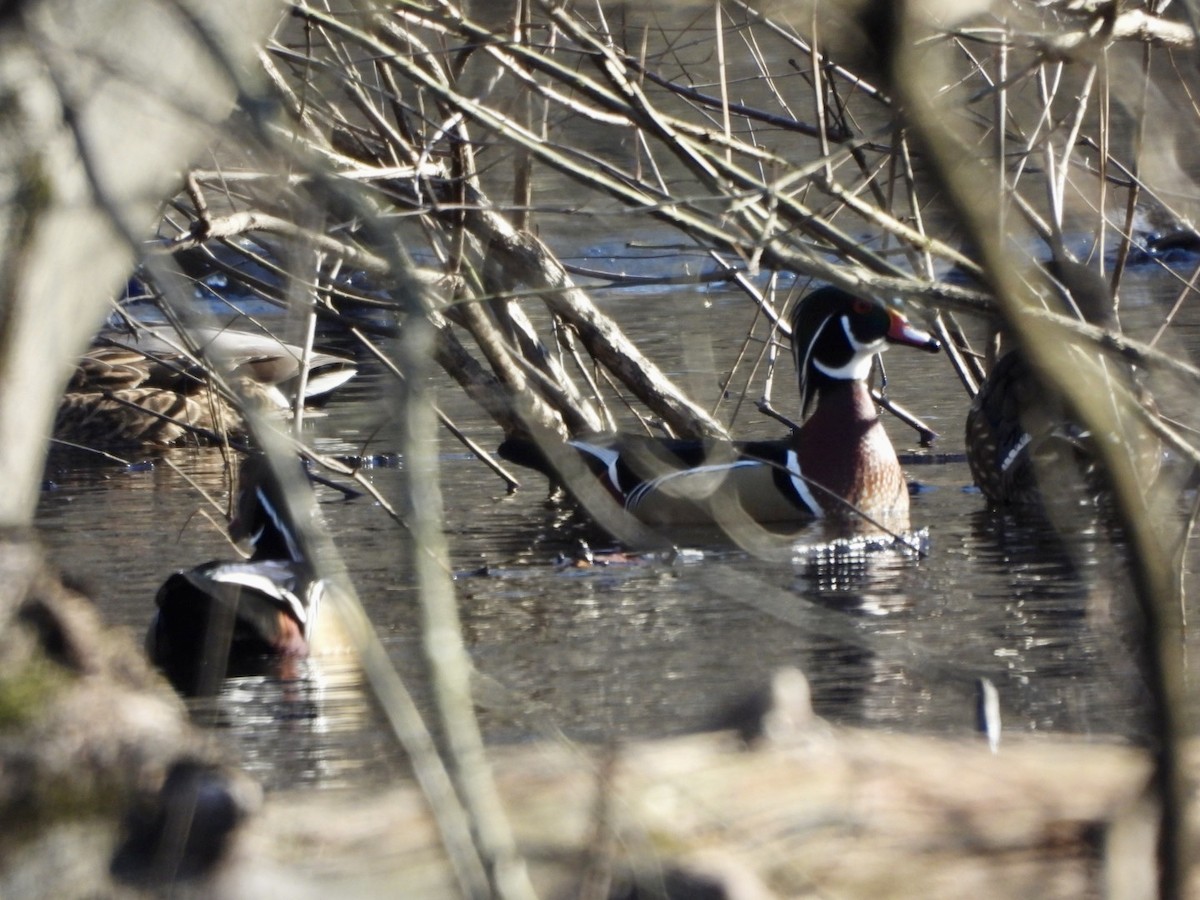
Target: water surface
[658,646]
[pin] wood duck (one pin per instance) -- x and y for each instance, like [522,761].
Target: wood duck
[1019,434]
[839,464]
[141,389]
[231,618]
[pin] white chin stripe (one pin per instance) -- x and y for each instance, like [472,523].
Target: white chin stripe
[858,369]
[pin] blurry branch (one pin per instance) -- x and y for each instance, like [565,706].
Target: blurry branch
[1137,25]
[521,257]
[1104,22]
[379,100]
[1117,345]
[248,221]
[805,47]
[390,120]
[472,828]
[761,221]
[740,109]
[352,625]
[486,388]
[377,96]
[79,157]
[524,258]
[696,148]
[450,667]
[1072,370]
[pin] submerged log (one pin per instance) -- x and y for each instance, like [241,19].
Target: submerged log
[833,812]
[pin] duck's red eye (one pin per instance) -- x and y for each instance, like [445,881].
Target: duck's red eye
[862,307]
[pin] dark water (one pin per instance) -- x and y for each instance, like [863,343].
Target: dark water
[659,646]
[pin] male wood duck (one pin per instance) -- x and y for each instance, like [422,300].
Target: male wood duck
[839,464]
[140,389]
[231,618]
[1019,434]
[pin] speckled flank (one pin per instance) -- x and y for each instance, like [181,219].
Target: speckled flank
[1013,428]
[143,416]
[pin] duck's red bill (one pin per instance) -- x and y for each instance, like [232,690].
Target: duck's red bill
[902,331]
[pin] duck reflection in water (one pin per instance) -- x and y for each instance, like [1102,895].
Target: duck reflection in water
[859,575]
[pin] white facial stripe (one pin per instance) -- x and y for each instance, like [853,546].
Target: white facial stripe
[876,346]
[803,491]
[846,330]
[858,369]
[802,364]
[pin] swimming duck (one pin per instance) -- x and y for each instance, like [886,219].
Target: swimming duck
[229,618]
[839,464]
[142,389]
[1018,434]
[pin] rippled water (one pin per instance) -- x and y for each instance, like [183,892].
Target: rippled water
[650,647]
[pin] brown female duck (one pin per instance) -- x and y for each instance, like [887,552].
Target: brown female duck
[144,389]
[1022,437]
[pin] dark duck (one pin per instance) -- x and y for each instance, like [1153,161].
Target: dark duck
[838,465]
[1022,438]
[235,618]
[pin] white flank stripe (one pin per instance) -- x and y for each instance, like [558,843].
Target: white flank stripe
[646,488]
[800,486]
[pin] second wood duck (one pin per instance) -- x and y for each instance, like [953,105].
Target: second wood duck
[228,618]
[839,464]
[1021,436]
